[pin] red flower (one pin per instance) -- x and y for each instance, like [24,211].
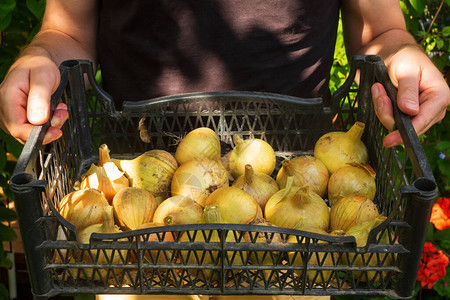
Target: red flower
[432,266]
[440,215]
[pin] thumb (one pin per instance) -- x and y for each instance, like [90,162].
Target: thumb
[43,82]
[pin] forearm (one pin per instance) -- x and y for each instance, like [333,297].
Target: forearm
[58,47]
[387,44]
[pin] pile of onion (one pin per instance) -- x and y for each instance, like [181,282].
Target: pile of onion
[337,148]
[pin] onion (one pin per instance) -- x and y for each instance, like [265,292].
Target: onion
[103,257]
[336,149]
[352,210]
[255,152]
[83,208]
[178,210]
[202,142]
[197,179]
[260,185]
[352,179]
[235,205]
[361,233]
[295,207]
[307,171]
[323,259]
[156,256]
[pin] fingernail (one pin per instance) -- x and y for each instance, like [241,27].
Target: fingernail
[412,105]
[375,91]
[37,115]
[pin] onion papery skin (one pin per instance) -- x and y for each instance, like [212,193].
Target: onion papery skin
[307,171]
[133,207]
[260,185]
[255,152]
[361,233]
[337,148]
[83,208]
[152,171]
[178,210]
[235,205]
[315,259]
[198,178]
[107,226]
[352,210]
[295,207]
[352,179]
[201,142]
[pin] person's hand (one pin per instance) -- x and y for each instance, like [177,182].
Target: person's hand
[25,98]
[422,93]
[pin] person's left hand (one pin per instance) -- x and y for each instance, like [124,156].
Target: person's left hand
[422,93]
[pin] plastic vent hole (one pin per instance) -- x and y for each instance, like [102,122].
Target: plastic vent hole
[424,184]
[23,178]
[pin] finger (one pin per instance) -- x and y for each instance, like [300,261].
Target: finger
[383,106]
[59,116]
[408,93]
[392,139]
[43,82]
[52,134]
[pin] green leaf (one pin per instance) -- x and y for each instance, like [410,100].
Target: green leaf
[7,234]
[7,214]
[443,146]
[442,235]
[418,5]
[2,156]
[439,43]
[7,7]
[440,286]
[5,21]
[12,145]
[37,7]
[446,30]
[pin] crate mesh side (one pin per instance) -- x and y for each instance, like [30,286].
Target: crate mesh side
[147,263]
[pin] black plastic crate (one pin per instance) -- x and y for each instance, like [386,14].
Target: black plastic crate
[219,264]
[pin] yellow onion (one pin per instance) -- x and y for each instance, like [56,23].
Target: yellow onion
[205,258]
[83,208]
[324,259]
[336,149]
[260,185]
[178,210]
[133,207]
[197,179]
[297,207]
[152,171]
[352,210]
[235,205]
[104,257]
[105,177]
[361,233]
[156,256]
[307,170]
[255,152]
[352,179]
[202,142]
[266,257]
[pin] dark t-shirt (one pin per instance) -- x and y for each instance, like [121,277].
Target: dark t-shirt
[155,48]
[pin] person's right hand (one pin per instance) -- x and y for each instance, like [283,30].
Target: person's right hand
[25,98]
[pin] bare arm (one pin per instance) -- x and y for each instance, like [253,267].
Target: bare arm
[378,27]
[68,32]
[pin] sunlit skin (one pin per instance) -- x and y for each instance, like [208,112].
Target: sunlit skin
[370,27]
